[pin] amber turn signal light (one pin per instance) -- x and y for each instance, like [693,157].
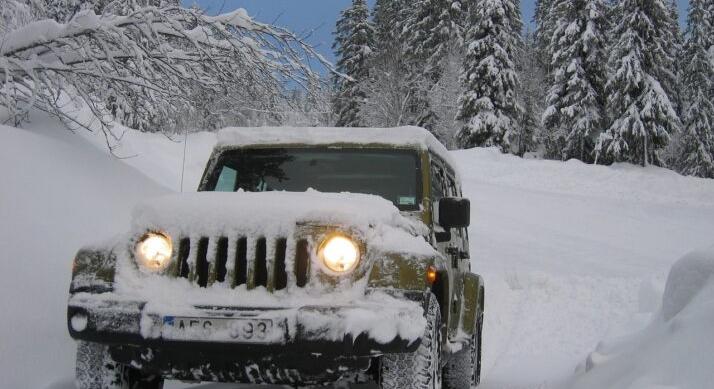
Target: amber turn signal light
[431,275]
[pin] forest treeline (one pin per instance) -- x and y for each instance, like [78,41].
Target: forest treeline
[597,81]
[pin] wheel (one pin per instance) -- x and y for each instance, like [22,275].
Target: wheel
[95,369]
[422,368]
[463,368]
[476,379]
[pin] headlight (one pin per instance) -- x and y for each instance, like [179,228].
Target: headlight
[153,251]
[340,254]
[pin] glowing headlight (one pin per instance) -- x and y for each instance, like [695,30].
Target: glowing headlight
[340,254]
[153,251]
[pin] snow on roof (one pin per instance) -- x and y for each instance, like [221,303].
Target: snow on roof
[407,136]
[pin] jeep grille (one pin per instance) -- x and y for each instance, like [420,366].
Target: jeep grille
[274,263]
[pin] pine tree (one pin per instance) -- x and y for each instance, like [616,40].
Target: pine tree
[545,25]
[489,108]
[643,113]
[387,17]
[574,116]
[532,94]
[697,141]
[674,43]
[353,47]
[432,28]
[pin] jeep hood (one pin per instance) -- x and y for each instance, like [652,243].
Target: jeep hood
[274,214]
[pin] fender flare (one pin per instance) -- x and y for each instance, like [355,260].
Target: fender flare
[472,308]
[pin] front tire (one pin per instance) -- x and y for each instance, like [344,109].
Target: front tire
[95,369]
[463,369]
[422,368]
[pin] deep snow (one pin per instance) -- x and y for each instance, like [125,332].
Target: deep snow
[675,349]
[57,193]
[572,254]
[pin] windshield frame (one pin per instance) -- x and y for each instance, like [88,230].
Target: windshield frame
[212,172]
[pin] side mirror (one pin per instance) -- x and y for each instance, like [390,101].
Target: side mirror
[454,212]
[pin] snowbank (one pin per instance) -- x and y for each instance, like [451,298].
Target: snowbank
[160,157]
[617,182]
[57,194]
[676,351]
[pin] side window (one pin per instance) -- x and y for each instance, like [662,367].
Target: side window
[227,180]
[453,192]
[437,182]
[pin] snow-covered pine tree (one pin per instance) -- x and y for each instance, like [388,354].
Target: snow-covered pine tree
[697,142]
[432,35]
[420,42]
[354,40]
[489,108]
[674,40]
[643,115]
[711,48]
[574,115]
[545,25]
[431,29]
[529,135]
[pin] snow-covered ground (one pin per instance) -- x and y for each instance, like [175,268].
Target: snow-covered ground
[572,254]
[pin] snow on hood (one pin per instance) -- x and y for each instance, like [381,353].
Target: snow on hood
[274,214]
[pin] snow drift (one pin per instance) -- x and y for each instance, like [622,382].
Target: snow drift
[57,194]
[676,350]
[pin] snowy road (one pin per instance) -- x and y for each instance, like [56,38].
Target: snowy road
[571,254]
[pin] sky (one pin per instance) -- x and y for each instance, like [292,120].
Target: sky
[317,17]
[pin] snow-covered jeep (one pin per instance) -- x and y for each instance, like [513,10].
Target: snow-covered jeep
[307,256]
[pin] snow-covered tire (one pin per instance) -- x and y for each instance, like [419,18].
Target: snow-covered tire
[422,368]
[95,369]
[476,379]
[463,368]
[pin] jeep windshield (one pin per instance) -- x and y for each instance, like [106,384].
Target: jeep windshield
[391,174]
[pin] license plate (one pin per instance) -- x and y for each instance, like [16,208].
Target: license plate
[220,329]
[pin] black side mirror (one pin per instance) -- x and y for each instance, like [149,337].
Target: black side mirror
[454,212]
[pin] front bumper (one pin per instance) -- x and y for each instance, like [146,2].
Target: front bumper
[309,328]
[308,340]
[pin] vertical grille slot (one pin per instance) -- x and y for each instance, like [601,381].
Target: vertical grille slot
[302,260]
[202,263]
[221,259]
[241,268]
[280,276]
[260,277]
[183,252]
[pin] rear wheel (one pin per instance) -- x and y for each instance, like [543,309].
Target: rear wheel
[95,369]
[422,368]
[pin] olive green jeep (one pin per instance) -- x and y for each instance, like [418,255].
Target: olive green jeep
[308,256]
